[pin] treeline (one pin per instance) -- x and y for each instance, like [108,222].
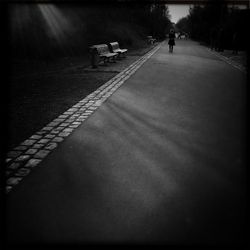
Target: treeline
[204,22]
[44,31]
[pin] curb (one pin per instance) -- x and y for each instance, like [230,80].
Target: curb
[229,61]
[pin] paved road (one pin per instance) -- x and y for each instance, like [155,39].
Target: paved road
[160,161]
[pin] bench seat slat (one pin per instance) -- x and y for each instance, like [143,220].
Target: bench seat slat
[108,54]
[120,50]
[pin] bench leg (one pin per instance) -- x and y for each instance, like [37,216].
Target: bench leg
[105,61]
[112,59]
[118,57]
[122,55]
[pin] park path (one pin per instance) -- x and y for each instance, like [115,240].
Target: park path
[160,161]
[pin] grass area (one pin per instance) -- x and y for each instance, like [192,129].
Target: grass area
[240,58]
[39,92]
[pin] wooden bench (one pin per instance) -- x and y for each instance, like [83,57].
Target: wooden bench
[115,48]
[151,40]
[101,52]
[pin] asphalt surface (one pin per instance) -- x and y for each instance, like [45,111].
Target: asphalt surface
[161,161]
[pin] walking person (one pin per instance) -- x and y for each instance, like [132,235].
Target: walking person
[235,43]
[221,40]
[171,41]
[213,38]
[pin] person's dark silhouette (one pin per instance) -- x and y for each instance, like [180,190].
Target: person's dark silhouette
[213,38]
[171,41]
[221,40]
[235,43]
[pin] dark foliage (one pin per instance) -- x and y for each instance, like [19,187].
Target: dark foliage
[219,19]
[47,31]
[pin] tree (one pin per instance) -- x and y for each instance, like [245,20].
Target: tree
[160,20]
[183,25]
[216,17]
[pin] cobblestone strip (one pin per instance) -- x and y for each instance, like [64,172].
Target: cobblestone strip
[31,152]
[229,61]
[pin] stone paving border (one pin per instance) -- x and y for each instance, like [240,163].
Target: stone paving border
[229,61]
[28,154]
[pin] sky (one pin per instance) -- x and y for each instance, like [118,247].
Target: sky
[178,11]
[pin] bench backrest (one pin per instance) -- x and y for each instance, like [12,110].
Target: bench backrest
[114,45]
[101,48]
